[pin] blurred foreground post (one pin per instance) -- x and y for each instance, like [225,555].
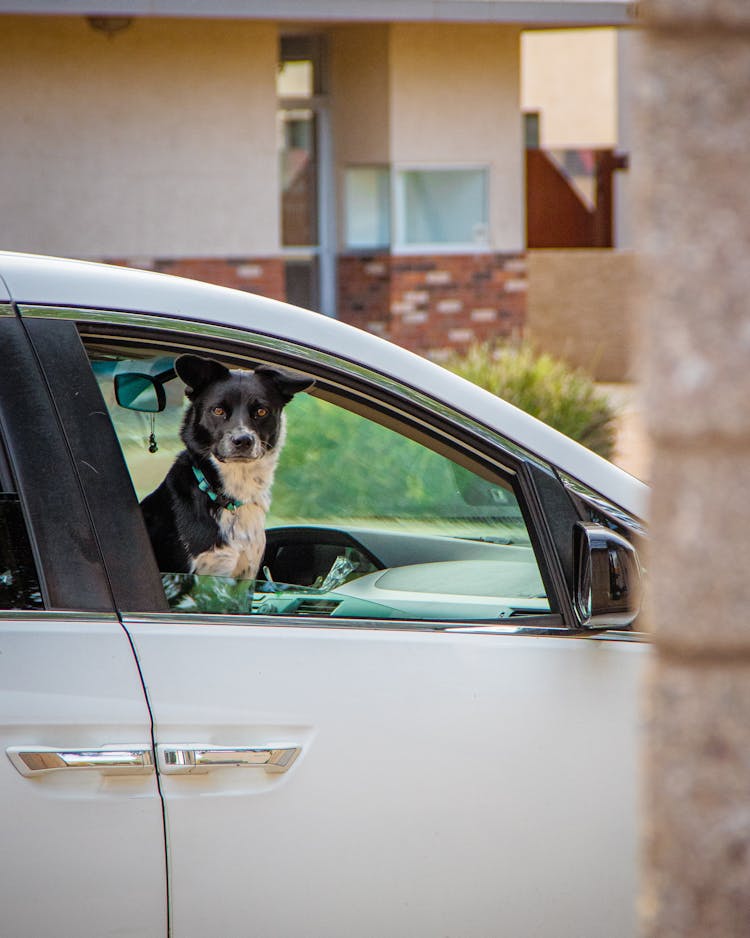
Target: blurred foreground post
[693,227]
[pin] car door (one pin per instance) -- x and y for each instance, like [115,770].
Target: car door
[382,771]
[83,841]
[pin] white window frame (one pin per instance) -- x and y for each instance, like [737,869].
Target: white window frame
[398,211]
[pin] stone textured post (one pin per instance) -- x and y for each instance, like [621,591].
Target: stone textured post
[692,120]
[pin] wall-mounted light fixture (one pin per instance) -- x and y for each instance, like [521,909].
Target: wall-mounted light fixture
[109,25]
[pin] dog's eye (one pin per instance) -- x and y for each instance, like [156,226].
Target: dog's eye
[218,411]
[261,412]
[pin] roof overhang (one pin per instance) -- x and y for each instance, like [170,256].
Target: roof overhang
[531,13]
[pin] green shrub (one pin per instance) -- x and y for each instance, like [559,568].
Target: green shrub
[566,399]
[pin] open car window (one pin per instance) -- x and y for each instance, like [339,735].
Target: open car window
[364,522]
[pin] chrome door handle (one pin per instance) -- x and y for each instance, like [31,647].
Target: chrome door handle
[111,760]
[189,759]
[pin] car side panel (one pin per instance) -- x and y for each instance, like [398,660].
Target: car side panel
[83,851]
[448,784]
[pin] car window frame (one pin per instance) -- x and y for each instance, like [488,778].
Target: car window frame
[62,539]
[365,392]
[103,476]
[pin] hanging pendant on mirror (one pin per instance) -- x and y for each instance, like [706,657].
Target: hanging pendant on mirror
[152,444]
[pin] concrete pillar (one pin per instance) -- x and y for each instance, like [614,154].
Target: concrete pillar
[623,220]
[693,227]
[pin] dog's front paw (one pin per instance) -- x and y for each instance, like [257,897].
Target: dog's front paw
[219,561]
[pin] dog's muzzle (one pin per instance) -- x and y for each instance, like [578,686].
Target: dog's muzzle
[240,444]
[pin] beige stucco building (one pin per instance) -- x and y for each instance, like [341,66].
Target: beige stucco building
[367,163]
[569,76]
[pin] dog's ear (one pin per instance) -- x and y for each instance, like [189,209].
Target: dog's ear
[198,373]
[286,383]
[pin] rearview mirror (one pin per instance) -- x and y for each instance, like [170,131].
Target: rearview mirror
[608,578]
[139,385]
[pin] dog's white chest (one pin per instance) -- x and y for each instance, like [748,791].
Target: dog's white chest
[243,540]
[245,530]
[242,531]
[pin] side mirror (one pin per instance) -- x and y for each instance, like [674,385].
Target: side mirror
[139,385]
[608,578]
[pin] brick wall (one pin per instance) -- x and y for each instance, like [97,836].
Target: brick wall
[432,304]
[264,276]
[364,292]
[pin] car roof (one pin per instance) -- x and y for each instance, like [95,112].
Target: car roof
[36,280]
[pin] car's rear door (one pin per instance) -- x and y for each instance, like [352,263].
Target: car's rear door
[376,775]
[82,826]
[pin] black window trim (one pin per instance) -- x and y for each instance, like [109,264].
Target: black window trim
[103,478]
[63,543]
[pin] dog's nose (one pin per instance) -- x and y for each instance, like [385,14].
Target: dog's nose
[242,439]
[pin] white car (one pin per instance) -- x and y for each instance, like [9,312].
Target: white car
[420,720]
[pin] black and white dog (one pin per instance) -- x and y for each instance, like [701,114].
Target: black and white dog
[208,515]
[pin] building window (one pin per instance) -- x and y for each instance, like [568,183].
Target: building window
[532,129]
[367,207]
[442,208]
[304,170]
[298,154]
[295,79]
[301,71]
